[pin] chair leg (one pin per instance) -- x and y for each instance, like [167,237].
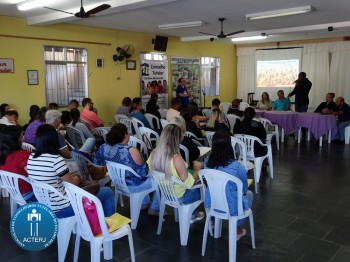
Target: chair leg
[121,202]
[176,214]
[184,224]
[218,228]
[65,230]
[13,205]
[135,207]
[76,247]
[131,245]
[270,164]
[108,250]
[277,139]
[205,234]
[252,232]
[161,215]
[232,239]
[95,250]
[116,196]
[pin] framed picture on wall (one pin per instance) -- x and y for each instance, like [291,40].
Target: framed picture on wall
[130,64]
[33,78]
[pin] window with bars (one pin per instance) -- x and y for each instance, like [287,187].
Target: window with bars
[65,74]
[210,75]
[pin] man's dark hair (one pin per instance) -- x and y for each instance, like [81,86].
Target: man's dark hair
[303,74]
[174,102]
[215,102]
[74,102]
[154,96]
[53,106]
[85,101]
[126,101]
[11,112]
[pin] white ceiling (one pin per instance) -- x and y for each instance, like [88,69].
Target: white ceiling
[147,15]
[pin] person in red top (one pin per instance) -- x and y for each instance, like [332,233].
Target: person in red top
[89,115]
[13,159]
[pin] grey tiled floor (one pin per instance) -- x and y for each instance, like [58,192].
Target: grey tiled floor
[302,215]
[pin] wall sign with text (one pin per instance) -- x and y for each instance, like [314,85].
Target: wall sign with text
[7,65]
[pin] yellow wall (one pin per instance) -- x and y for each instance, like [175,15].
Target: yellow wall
[104,88]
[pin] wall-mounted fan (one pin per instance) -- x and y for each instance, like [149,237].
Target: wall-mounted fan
[82,13]
[123,53]
[222,35]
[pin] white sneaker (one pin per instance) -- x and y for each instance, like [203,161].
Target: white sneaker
[196,217]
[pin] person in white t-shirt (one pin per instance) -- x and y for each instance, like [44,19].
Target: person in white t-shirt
[174,110]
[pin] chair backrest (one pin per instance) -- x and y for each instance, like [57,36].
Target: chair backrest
[139,144]
[151,135]
[10,181]
[249,141]
[209,136]
[76,137]
[266,123]
[27,147]
[216,182]
[128,123]
[117,172]
[120,116]
[191,135]
[137,124]
[232,119]
[82,161]
[224,106]
[164,123]
[150,119]
[206,111]
[166,187]
[197,143]
[76,195]
[240,150]
[88,125]
[186,153]
[163,112]
[43,192]
[243,106]
[101,131]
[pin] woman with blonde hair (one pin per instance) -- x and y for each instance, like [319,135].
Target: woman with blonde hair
[166,158]
[265,103]
[216,121]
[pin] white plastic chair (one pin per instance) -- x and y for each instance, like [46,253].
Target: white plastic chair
[217,181]
[117,173]
[88,125]
[76,195]
[137,124]
[164,123]
[151,135]
[150,118]
[27,147]
[76,137]
[120,116]
[209,137]
[347,135]
[197,143]
[225,106]
[128,123]
[9,181]
[243,106]
[101,131]
[139,144]
[249,141]
[193,136]
[232,119]
[42,192]
[271,131]
[163,112]
[206,111]
[186,153]
[168,196]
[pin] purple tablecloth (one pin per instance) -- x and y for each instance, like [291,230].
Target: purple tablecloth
[260,113]
[285,119]
[317,123]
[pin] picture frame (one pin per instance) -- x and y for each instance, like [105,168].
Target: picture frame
[130,64]
[33,78]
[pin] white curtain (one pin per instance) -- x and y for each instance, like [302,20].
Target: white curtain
[340,74]
[245,75]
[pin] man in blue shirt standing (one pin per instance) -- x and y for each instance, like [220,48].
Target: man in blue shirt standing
[183,93]
[282,103]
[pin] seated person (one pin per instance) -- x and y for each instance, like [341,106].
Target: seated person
[215,104]
[29,135]
[265,103]
[89,115]
[53,106]
[10,117]
[328,106]
[13,159]
[136,111]
[194,112]
[3,108]
[234,110]
[73,104]
[124,109]
[248,126]
[216,122]
[33,113]
[174,110]
[342,110]
[117,150]
[193,150]
[152,108]
[192,126]
[47,166]
[222,158]
[166,158]
[282,103]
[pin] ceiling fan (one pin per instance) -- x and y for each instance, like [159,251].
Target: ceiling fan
[222,35]
[82,13]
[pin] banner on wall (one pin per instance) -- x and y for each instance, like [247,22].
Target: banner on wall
[189,69]
[154,79]
[7,65]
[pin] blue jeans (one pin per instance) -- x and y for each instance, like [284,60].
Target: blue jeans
[341,130]
[89,145]
[146,185]
[250,196]
[301,108]
[190,196]
[105,195]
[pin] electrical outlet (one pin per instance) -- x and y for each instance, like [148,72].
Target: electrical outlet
[99,62]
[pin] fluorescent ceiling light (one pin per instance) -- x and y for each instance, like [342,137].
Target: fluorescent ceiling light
[281,12]
[181,25]
[26,5]
[248,38]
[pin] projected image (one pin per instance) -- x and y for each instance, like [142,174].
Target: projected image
[277,73]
